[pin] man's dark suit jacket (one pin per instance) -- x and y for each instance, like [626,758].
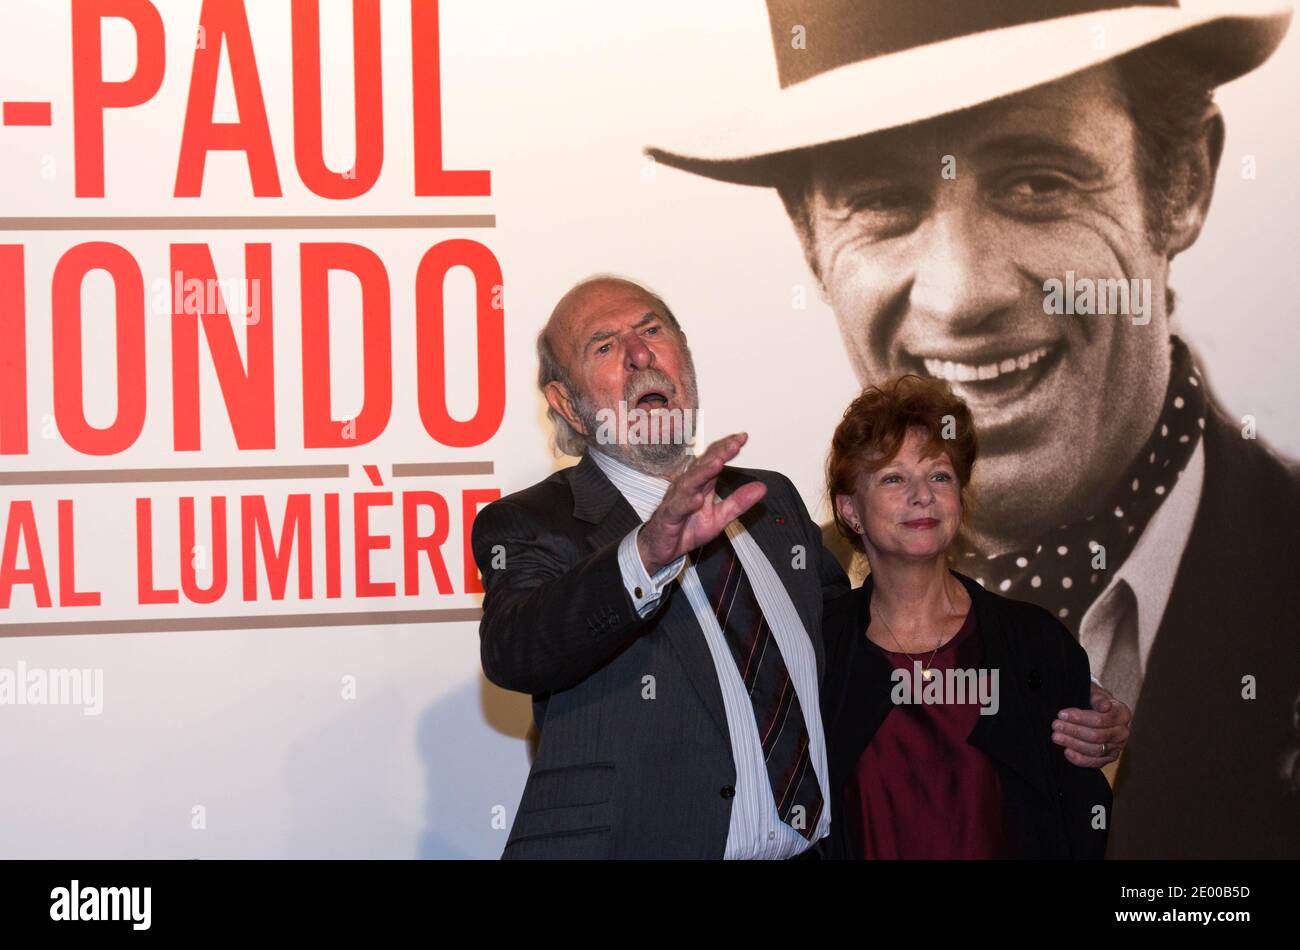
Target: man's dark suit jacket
[1042,670]
[1201,777]
[634,757]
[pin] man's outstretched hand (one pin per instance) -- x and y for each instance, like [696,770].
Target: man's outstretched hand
[689,516]
[1093,737]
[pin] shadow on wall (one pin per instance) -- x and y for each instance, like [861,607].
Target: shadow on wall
[476,745]
[350,780]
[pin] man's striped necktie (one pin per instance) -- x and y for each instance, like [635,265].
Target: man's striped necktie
[777,712]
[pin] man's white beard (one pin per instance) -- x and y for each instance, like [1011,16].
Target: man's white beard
[663,458]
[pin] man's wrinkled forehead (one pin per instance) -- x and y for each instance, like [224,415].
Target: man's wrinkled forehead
[602,309]
[1084,115]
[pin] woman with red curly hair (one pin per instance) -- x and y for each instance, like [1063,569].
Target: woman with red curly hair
[939,695]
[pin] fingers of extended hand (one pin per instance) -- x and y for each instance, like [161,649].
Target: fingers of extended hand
[740,501]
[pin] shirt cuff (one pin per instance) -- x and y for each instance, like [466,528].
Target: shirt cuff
[1095,680]
[644,589]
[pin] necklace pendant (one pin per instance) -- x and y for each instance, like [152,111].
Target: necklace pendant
[927,674]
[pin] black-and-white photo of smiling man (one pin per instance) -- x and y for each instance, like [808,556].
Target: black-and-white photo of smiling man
[992,195]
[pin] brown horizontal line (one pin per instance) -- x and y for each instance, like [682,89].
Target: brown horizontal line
[413,469]
[237,473]
[109,475]
[254,622]
[251,222]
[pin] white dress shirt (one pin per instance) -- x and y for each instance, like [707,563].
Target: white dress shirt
[756,830]
[1149,570]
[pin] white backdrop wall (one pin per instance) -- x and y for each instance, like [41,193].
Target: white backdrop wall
[255,730]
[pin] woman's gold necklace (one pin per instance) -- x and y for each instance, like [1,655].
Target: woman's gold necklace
[927,671]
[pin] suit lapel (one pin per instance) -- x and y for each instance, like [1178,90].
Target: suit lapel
[1220,565]
[597,502]
[1008,735]
[856,692]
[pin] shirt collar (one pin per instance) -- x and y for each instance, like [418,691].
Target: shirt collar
[1152,567]
[643,492]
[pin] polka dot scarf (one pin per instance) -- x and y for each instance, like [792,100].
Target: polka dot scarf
[1058,572]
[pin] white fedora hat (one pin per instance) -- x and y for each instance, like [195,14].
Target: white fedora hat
[869,65]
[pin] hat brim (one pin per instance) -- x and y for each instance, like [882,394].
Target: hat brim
[934,80]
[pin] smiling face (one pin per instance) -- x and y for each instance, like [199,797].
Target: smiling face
[937,267]
[908,509]
[618,344]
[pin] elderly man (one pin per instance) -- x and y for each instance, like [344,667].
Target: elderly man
[604,585]
[992,194]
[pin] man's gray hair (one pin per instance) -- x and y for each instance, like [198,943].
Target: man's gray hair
[550,368]
[568,440]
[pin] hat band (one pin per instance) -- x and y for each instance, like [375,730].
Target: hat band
[838,32]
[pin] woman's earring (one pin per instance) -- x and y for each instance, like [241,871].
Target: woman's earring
[857,526]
